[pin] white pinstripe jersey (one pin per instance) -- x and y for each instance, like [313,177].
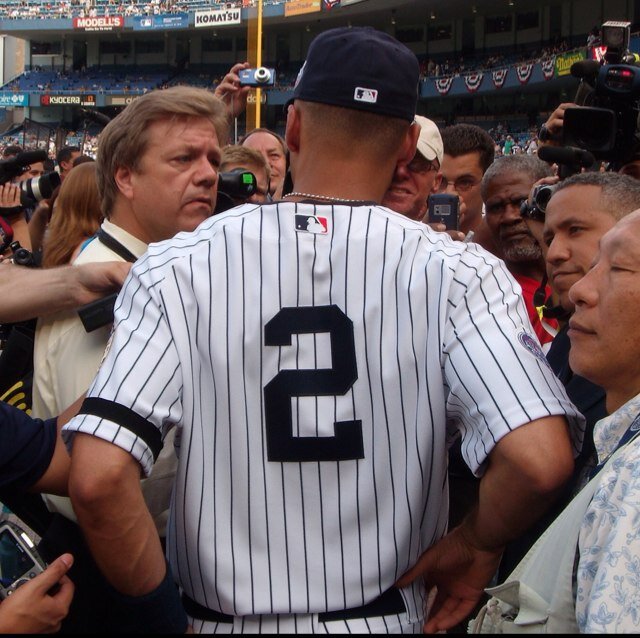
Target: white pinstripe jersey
[315,359]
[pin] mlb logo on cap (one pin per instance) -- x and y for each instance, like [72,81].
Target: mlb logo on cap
[360,68]
[366,95]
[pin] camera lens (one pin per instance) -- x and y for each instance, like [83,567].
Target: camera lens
[542,196]
[263,75]
[39,188]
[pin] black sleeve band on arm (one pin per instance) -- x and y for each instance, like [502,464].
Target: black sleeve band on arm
[127,418]
[158,612]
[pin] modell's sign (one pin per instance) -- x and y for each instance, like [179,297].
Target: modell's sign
[66,100]
[217,17]
[99,23]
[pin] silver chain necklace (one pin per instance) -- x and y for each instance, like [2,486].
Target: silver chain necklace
[335,200]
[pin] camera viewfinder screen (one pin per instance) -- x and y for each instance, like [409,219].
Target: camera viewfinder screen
[14,561]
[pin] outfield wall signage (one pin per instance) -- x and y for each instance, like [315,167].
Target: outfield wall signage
[99,23]
[119,100]
[173,21]
[564,62]
[299,7]
[217,17]
[9,98]
[83,99]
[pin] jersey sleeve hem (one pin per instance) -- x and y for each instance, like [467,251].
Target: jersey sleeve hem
[113,432]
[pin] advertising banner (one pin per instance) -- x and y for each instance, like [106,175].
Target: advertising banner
[9,98]
[172,21]
[298,7]
[70,99]
[217,17]
[119,100]
[99,23]
[564,62]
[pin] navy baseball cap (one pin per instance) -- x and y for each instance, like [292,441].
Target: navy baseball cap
[360,68]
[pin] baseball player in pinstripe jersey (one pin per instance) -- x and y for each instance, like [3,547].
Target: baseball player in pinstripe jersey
[316,354]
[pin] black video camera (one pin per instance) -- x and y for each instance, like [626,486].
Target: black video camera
[606,121]
[31,190]
[234,188]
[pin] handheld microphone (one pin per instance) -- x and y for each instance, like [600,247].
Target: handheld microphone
[566,155]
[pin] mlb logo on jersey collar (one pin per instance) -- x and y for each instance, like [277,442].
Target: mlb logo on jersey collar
[311,224]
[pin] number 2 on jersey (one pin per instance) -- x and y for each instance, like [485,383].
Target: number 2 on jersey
[282,445]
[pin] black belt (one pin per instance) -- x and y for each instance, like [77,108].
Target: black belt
[390,602]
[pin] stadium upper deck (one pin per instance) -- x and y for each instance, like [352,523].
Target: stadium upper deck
[487,57]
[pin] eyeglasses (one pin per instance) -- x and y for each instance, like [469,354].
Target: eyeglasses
[461,185]
[421,165]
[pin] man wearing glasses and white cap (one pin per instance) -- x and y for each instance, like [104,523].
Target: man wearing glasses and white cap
[414,182]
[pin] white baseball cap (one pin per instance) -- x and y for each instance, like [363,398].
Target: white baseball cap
[430,141]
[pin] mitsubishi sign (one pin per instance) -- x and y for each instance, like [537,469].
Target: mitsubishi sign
[99,23]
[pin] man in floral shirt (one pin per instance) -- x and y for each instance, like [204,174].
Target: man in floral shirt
[605,348]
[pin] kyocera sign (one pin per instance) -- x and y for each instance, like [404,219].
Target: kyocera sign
[86,99]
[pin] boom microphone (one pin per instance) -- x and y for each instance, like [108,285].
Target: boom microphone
[585,69]
[95,116]
[567,155]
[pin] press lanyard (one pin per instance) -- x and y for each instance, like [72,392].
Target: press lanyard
[632,431]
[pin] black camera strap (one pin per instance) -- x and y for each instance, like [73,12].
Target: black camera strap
[113,244]
[99,313]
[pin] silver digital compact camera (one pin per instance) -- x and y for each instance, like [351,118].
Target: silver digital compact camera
[19,559]
[262,76]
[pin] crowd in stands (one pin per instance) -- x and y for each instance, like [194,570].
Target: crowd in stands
[112,79]
[67,9]
[445,66]
[103,79]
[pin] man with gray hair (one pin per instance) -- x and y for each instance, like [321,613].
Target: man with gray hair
[505,186]
[581,209]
